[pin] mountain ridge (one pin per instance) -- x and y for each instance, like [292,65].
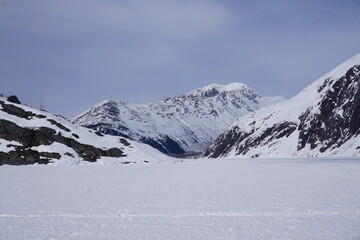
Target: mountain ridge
[316,122]
[185,124]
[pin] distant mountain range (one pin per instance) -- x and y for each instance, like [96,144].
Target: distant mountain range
[181,125]
[322,120]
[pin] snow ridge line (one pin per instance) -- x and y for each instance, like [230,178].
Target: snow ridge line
[185,215]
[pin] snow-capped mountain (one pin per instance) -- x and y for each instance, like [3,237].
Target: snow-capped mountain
[29,136]
[179,125]
[322,120]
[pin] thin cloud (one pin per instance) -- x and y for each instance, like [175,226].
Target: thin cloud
[165,18]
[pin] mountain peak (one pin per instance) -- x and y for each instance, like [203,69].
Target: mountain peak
[185,124]
[214,89]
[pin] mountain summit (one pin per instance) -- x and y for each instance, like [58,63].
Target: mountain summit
[322,120]
[185,124]
[215,89]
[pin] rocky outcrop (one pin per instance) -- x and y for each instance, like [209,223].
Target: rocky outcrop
[27,140]
[322,120]
[44,136]
[13,99]
[19,112]
[164,144]
[339,117]
[225,142]
[244,141]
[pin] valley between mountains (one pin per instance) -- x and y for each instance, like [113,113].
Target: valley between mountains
[179,126]
[269,168]
[216,121]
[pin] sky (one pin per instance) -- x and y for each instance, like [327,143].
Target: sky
[67,55]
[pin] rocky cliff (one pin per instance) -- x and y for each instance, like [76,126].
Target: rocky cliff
[322,120]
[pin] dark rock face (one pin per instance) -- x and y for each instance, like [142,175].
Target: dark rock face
[277,131]
[23,156]
[41,136]
[225,142]
[105,129]
[243,141]
[339,117]
[124,142]
[59,125]
[211,93]
[165,145]
[326,125]
[44,136]
[27,137]
[19,112]
[13,99]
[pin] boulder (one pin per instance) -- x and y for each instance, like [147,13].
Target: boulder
[14,99]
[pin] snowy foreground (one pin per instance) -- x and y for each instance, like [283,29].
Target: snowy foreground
[205,199]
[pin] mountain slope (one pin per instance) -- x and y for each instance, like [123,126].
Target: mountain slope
[185,124]
[29,136]
[322,120]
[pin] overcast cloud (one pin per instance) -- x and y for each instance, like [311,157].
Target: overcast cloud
[71,54]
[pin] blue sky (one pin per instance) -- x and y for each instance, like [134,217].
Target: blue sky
[70,54]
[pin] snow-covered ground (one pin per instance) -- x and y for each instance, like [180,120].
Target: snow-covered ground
[197,199]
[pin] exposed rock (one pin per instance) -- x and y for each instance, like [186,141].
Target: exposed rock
[75,135]
[50,155]
[225,142]
[108,130]
[99,133]
[44,136]
[124,142]
[243,141]
[13,99]
[164,144]
[339,116]
[59,125]
[69,154]
[19,112]
[22,157]
[322,120]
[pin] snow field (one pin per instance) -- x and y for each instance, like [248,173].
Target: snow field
[200,199]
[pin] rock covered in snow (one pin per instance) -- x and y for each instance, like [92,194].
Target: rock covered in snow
[29,136]
[322,120]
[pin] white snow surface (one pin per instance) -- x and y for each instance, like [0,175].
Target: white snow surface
[290,110]
[194,120]
[136,152]
[204,199]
